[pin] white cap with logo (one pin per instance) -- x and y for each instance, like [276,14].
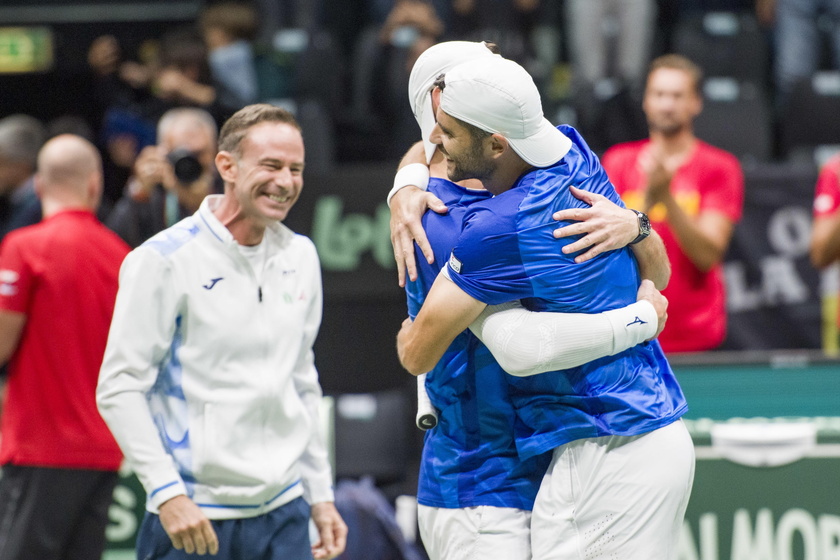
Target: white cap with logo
[499,96]
[434,61]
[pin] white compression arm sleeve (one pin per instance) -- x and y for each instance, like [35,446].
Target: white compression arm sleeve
[527,343]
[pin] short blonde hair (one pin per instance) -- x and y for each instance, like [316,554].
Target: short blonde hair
[236,127]
[678,62]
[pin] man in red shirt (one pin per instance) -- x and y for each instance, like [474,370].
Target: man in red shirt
[825,237]
[58,283]
[694,196]
[825,233]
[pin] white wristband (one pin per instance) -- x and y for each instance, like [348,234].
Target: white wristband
[416,174]
[632,325]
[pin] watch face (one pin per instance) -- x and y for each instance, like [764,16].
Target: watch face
[644,226]
[644,223]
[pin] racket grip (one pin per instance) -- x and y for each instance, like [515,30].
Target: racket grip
[426,414]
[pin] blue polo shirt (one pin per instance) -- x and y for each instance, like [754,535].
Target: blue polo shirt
[507,252]
[470,458]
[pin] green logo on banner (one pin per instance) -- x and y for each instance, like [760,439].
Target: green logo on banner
[343,239]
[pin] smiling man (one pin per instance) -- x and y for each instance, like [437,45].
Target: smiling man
[208,382]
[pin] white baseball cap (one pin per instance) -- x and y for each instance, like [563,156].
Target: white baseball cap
[434,61]
[499,96]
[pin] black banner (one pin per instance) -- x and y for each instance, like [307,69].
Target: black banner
[773,296]
[345,214]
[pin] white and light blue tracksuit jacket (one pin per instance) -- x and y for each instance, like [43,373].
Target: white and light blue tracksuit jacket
[208,381]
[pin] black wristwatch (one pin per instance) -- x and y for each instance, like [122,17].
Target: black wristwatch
[644,227]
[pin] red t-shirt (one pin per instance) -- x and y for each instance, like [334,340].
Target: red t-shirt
[62,274]
[710,180]
[827,195]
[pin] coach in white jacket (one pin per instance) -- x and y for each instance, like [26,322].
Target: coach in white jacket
[208,381]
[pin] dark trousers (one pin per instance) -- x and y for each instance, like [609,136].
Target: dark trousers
[54,514]
[281,534]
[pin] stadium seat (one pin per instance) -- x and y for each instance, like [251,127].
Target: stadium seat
[737,118]
[373,435]
[725,44]
[810,120]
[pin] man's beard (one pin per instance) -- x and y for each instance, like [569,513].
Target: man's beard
[669,129]
[472,165]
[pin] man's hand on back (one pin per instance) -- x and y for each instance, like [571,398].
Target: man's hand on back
[605,226]
[407,208]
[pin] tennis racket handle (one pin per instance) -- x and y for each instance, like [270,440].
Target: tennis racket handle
[426,414]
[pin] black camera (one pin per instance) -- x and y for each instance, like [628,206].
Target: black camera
[186,165]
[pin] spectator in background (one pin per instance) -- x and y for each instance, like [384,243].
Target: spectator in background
[245,70]
[122,136]
[825,239]
[610,45]
[58,282]
[411,24]
[170,179]
[411,27]
[610,39]
[21,136]
[798,39]
[123,129]
[382,63]
[173,72]
[825,236]
[183,77]
[228,29]
[694,195]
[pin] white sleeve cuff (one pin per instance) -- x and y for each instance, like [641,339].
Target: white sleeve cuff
[413,174]
[165,493]
[632,325]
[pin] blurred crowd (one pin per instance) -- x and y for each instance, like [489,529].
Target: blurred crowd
[342,68]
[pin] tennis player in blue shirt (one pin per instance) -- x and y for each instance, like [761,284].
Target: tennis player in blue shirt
[475,492]
[623,463]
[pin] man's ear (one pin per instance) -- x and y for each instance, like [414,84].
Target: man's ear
[38,185]
[226,164]
[698,107]
[498,145]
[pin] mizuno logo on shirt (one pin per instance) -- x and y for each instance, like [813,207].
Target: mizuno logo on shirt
[454,263]
[213,282]
[637,321]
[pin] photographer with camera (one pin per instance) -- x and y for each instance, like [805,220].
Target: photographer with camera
[171,178]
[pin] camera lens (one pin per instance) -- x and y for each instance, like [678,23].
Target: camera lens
[187,167]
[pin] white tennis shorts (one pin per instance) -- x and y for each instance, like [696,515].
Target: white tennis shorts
[615,498]
[476,533]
